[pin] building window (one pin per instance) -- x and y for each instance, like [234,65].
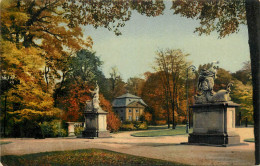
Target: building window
[116,111]
[137,118]
[137,111]
[121,110]
[122,118]
[130,117]
[129,110]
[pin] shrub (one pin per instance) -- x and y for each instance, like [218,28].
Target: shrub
[143,126]
[78,130]
[127,122]
[58,131]
[133,125]
[53,129]
[27,128]
[47,129]
[127,127]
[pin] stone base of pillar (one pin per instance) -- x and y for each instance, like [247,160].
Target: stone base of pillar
[89,133]
[214,124]
[214,139]
[94,133]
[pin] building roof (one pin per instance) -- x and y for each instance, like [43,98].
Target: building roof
[128,95]
[126,99]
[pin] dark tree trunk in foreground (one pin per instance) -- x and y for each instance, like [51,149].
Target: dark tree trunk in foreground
[253,22]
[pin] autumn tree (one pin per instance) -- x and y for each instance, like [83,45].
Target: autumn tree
[242,91]
[153,95]
[42,25]
[173,65]
[53,28]
[34,40]
[113,121]
[26,95]
[242,94]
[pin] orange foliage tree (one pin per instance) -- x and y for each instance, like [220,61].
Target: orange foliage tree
[153,95]
[113,122]
[73,101]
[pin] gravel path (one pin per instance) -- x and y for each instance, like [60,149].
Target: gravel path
[165,148]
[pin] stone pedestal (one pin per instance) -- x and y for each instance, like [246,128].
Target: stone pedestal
[71,128]
[214,124]
[96,124]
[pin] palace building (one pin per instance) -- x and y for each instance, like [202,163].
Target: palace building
[129,107]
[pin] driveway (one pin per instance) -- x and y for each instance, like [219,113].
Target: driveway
[165,148]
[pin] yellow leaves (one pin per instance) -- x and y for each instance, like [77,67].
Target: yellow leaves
[10,16]
[34,102]
[20,64]
[29,113]
[31,95]
[35,115]
[242,94]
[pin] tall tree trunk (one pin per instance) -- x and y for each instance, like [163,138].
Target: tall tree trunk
[253,22]
[46,72]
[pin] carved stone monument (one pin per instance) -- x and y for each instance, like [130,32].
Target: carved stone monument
[95,118]
[213,113]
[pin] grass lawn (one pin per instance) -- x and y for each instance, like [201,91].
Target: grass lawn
[249,140]
[4,142]
[82,157]
[180,130]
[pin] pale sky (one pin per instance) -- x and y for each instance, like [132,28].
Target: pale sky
[133,52]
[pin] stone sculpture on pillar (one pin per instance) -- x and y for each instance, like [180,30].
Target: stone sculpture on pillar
[205,87]
[95,100]
[213,113]
[95,117]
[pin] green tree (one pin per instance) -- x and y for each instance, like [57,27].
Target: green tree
[223,79]
[244,74]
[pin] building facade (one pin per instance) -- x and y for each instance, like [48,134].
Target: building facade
[129,107]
